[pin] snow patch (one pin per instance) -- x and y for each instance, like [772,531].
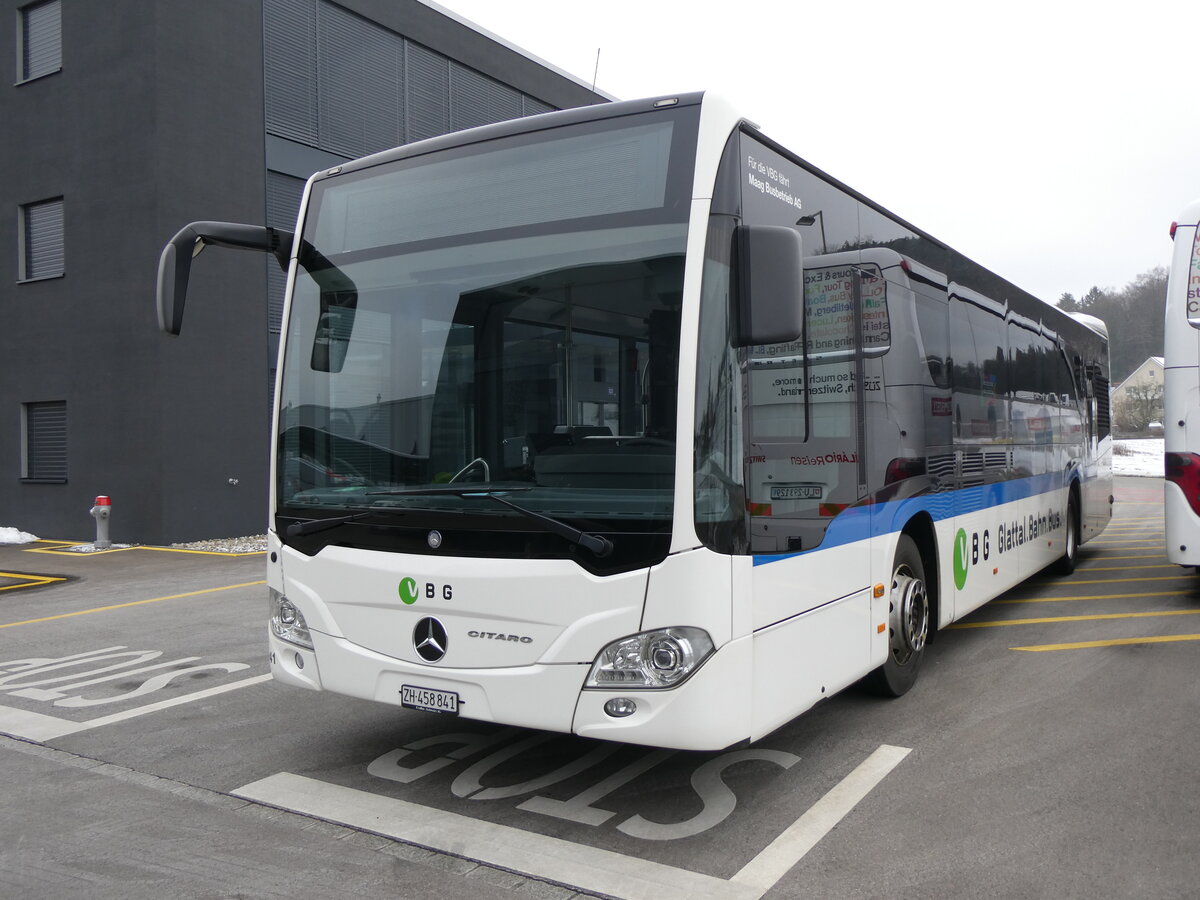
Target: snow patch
[15,536]
[1140,458]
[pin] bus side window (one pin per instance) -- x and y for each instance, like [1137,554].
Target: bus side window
[931,322]
[964,361]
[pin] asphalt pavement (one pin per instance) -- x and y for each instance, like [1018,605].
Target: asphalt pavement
[1047,750]
[76,825]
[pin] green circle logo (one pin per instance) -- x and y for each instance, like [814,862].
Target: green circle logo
[408,591]
[960,559]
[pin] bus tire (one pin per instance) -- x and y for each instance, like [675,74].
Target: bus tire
[908,623]
[1065,564]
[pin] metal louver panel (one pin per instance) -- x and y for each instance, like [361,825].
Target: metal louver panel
[532,107]
[1103,406]
[41,39]
[428,82]
[359,77]
[46,441]
[283,202]
[290,68]
[44,251]
[476,99]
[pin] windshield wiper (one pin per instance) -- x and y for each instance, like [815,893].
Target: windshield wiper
[596,543]
[311,526]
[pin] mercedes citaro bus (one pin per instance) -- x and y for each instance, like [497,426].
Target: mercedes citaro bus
[626,421]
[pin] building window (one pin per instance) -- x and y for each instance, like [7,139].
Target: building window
[44,441]
[39,40]
[40,230]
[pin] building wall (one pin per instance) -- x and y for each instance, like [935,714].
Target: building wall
[123,134]
[157,119]
[1138,400]
[1148,375]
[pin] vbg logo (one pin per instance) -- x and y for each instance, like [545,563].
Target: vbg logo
[960,559]
[964,558]
[410,591]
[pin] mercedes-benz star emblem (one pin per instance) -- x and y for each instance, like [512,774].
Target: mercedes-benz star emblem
[429,637]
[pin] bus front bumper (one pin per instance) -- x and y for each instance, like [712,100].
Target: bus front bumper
[709,711]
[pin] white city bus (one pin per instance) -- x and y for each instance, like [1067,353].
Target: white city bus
[1181,392]
[627,422]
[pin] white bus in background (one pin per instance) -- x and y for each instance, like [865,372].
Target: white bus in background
[627,422]
[1181,392]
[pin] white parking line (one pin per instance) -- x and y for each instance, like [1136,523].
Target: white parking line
[789,848]
[565,862]
[34,726]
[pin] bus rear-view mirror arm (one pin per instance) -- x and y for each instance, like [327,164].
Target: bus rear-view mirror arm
[770,284]
[175,263]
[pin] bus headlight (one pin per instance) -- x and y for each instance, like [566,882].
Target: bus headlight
[287,622]
[652,659]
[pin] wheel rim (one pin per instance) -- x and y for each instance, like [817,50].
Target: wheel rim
[909,615]
[1072,537]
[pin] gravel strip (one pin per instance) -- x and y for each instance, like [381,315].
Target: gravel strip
[254,543]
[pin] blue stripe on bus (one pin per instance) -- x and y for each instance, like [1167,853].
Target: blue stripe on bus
[861,522]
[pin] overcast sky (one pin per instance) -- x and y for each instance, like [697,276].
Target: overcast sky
[1054,142]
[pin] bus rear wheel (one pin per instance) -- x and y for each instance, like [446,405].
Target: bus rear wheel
[908,623]
[1065,564]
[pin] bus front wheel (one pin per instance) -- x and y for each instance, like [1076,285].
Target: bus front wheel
[908,623]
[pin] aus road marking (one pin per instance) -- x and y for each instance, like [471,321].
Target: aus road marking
[565,862]
[69,682]
[718,801]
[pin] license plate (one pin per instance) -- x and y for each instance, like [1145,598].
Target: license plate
[428,699]
[797,492]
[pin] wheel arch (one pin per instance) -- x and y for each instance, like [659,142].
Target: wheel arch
[920,528]
[1075,492]
[1066,563]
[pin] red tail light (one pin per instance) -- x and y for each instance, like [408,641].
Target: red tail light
[905,467]
[1183,469]
[1174,225]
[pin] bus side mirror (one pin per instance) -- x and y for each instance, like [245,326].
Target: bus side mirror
[770,265]
[174,268]
[175,263]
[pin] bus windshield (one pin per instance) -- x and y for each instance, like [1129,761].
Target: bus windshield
[499,316]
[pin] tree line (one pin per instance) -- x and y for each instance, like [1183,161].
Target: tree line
[1134,315]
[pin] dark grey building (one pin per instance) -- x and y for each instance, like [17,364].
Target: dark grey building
[129,119]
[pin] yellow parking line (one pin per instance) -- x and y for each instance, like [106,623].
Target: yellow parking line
[29,580]
[1096,597]
[1083,568]
[1118,642]
[1075,581]
[201,552]
[1115,547]
[84,612]
[1092,618]
[58,551]
[1102,556]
